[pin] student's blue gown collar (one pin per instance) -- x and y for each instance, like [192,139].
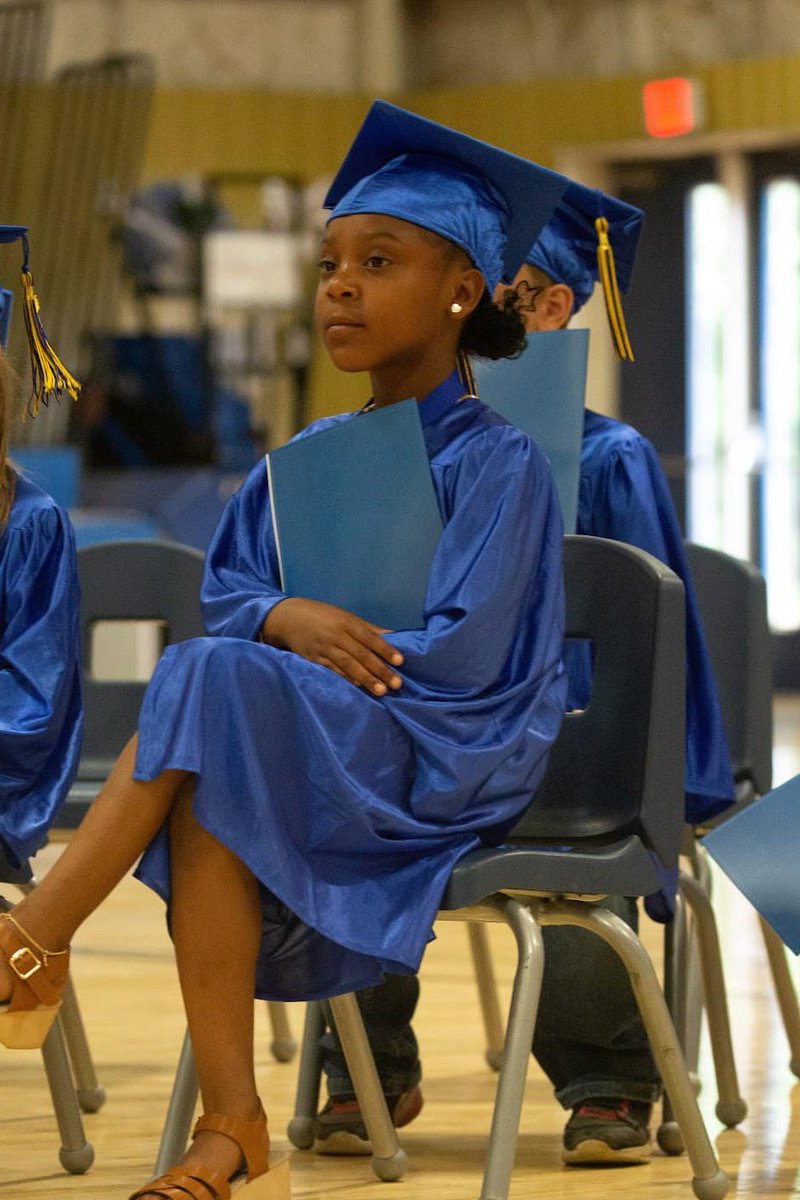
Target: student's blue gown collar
[445,411]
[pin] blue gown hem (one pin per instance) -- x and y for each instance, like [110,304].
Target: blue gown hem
[220,834]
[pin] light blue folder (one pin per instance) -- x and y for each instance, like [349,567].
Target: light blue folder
[759,850]
[542,392]
[355,516]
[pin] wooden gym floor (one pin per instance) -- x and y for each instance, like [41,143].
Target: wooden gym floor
[131,1005]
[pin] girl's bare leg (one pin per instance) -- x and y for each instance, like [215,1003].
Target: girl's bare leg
[215,919]
[117,828]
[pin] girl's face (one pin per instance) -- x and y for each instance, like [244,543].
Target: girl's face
[384,299]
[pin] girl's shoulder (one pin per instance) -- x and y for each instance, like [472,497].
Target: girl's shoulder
[487,432]
[32,505]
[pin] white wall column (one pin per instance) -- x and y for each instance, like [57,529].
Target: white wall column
[381,46]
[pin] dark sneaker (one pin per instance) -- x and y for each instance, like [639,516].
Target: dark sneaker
[605,1132]
[340,1128]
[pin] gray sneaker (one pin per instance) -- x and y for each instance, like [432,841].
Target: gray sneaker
[340,1128]
[607,1132]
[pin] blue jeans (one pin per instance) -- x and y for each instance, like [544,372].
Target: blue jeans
[589,1038]
[387,1011]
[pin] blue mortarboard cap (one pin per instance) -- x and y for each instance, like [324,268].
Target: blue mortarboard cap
[591,237]
[6,300]
[50,376]
[487,201]
[14,233]
[566,249]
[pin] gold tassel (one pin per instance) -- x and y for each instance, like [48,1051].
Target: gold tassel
[608,279]
[50,377]
[466,376]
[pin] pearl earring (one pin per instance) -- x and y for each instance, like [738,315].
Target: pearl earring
[455,308]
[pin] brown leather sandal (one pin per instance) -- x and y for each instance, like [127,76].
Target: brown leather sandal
[203,1183]
[36,987]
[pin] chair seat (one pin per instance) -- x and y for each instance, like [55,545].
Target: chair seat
[79,797]
[95,769]
[621,866]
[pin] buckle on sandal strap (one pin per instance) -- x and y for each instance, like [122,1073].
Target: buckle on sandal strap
[20,962]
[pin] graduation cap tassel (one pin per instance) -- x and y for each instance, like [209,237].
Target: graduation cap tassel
[466,375]
[608,278]
[50,377]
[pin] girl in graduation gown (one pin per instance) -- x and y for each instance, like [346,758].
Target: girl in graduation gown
[304,782]
[41,715]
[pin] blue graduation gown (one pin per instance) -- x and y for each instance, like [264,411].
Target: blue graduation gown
[41,713]
[350,809]
[623,495]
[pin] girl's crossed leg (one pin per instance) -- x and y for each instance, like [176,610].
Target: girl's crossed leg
[215,924]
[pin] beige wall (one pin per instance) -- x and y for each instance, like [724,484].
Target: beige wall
[489,41]
[277,44]
[343,45]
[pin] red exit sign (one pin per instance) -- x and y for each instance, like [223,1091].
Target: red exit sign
[671,107]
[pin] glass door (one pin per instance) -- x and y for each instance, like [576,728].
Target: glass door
[779,380]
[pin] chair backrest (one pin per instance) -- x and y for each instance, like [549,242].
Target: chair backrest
[732,598]
[135,581]
[617,766]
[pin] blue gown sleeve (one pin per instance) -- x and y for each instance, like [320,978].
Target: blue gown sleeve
[41,714]
[241,578]
[483,692]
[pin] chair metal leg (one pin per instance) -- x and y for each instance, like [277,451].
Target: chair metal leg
[731,1108]
[668,1134]
[693,1006]
[91,1094]
[306,1100]
[517,1048]
[76,1154]
[784,992]
[709,1182]
[680,957]
[388,1159]
[283,1045]
[487,992]
[182,1103]
[701,869]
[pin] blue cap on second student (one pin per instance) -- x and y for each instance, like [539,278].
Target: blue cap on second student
[487,201]
[591,237]
[50,377]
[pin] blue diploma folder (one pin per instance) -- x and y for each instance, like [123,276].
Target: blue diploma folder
[758,848]
[355,516]
[542,393]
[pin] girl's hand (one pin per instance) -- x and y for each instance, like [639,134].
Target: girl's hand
[336,639]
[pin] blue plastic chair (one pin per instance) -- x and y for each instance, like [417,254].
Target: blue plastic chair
[610,807]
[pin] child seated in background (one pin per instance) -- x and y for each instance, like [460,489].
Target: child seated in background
[303,783]
[41,714]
